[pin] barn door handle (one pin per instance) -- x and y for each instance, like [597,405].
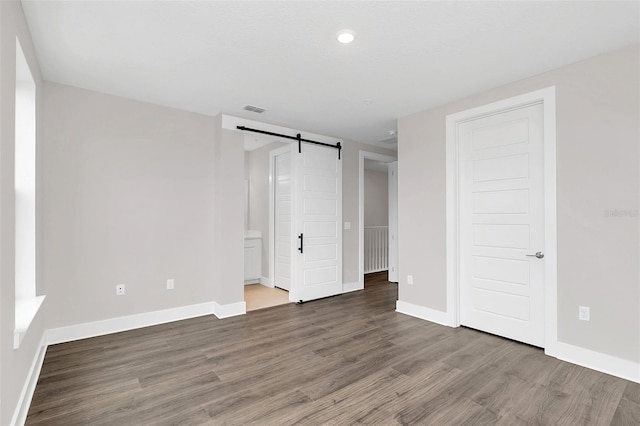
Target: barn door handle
[301,248]
[539,255]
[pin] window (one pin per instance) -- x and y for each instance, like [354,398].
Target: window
[27,304]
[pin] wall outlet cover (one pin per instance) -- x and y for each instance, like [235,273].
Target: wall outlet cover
[584,313]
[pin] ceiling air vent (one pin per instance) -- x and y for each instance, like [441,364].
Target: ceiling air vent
[255,109]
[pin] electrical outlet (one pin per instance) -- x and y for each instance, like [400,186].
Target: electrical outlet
[170,284]
[584,313]
[120,290]
[410,279]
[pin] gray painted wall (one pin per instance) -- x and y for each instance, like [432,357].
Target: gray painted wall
[597,172]
[376,198]
[129,198]
[227,277]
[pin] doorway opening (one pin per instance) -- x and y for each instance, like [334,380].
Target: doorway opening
[259,291]
[293,233]
[377,216]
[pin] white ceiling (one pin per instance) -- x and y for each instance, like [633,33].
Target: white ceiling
[218,56]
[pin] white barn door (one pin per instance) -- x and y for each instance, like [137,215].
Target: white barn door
[317,252]
[502,224]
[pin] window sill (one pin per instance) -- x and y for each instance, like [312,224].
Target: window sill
[26,311]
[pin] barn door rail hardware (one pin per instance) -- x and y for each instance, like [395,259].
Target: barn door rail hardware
[297,137]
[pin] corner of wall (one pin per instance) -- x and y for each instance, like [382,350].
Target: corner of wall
[229,310]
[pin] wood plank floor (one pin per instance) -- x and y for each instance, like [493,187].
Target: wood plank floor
[342,360]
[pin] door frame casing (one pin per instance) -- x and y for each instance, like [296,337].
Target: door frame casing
[392,181]
[272,217]
[361,157]
[548,99]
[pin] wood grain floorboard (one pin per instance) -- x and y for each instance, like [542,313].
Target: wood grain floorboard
[628,411]
[343,360]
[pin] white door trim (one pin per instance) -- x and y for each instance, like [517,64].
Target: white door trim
[392,181]
[272,243]
[548,100]
[362,156]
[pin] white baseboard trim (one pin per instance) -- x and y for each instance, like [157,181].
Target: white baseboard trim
[354,286]
[604,363]
[230,310]
[130,322]
[266,281]
[424,313]
[24,401]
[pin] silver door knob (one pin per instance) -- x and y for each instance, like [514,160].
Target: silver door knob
[539,255]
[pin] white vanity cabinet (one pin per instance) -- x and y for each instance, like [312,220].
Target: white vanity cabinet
[252,257]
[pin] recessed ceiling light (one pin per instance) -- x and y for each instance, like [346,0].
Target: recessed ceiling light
[346,36]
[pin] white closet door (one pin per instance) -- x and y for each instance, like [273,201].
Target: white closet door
[502,224]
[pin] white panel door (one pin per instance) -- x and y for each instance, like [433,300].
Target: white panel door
[318,218]
[502,224]
[283,213]
[393,222]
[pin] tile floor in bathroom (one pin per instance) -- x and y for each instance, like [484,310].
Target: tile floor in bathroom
[258,296]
